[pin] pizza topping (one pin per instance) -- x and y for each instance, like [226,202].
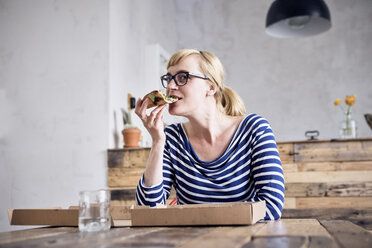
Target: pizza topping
[152,97]
[170,98]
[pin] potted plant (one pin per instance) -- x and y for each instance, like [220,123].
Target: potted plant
[131,133]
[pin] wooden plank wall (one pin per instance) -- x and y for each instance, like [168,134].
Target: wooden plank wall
[327,174]
[125,168]
[318,174]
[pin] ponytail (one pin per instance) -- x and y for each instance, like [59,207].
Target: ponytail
[229,102]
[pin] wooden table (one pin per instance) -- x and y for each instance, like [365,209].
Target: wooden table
[282,233]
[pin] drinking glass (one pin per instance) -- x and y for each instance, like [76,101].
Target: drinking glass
[94,211]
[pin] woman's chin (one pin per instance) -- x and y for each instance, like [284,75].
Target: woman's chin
[173,109]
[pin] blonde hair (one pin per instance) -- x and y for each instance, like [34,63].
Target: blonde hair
[227,100]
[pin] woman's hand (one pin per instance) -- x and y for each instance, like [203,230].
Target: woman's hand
[153,122]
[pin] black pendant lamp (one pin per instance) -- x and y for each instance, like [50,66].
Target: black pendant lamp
[297,18]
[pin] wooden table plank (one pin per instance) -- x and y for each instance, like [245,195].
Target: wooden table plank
[292,233]
[347,233]
[358,216]
[165,237]
[77,239]
[281,241]
[225,237]
[321,242]
[292,241]
[293,227]
[36,233]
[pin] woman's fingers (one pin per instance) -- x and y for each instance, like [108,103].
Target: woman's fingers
[141,107]
[159,116]
[155,113]
[138,106]
[153,122]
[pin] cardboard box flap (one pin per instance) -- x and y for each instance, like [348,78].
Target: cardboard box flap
[240,213]
[57,216]
[120,212]
[46,216]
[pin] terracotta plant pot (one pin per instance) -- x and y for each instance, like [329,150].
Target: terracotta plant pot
[131,137]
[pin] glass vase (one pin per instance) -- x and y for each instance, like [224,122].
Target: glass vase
[348,128]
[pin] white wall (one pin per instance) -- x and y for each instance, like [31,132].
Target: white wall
[291,82]
[54,81]
[65,67]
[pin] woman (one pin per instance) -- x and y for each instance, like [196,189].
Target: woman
[220,154]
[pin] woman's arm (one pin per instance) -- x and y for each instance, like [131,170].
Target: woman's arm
[267,172]
[151,189]
[160,192]
[154,168]
[155,126]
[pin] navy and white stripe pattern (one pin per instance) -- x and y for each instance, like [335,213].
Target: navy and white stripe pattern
[249,170]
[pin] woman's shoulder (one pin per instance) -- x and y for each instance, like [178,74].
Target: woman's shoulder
[254,120]
[256,126]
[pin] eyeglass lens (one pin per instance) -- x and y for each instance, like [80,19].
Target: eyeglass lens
[180,79]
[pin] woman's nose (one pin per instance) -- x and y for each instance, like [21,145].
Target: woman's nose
[172,85]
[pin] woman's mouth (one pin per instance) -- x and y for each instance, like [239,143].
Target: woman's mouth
[175,103]
[178,98]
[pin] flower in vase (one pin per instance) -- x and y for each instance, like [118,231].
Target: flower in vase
[337,102]
[349,101]
[348,125]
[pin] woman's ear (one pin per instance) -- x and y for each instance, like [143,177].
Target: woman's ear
[211,91]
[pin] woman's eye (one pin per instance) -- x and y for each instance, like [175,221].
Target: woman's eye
[183,78]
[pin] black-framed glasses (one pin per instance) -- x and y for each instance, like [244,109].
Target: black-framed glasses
[180,78]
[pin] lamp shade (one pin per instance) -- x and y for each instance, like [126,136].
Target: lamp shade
[297,18]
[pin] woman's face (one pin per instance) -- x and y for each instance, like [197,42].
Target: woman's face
[193,94]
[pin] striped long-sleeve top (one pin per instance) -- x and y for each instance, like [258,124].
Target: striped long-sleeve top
[248,170]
